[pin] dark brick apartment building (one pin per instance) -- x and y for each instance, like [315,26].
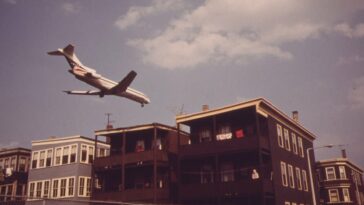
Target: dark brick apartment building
[248,153]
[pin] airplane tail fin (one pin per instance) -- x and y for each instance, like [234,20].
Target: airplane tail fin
[67,52]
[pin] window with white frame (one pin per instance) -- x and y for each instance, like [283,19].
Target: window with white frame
[83,153]
[287,143]
[294,143]
[63,187]
[49,157]
[330,173]
[22,164]
[298,178]
[65,155]
[300,146]
[58,156]
[284,174]
[31,190]
[6,163]
[334,195]
[34,160]
[13,163]
[346,194]
[84,186]
[342,172]
[38,189]
[42,155]
[290,176]
[55,184]
[304,180]
[73,156]
[280,135]
[87,153]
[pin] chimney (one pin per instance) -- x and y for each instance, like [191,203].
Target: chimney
[205,108]
[295,116]
[343,153]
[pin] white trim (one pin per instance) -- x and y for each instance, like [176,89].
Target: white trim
[280,136]
[287,142]
[291,179]
[284,174]
[300,147]
[85,188]
[330,195]
[327,173]
[298,178]
[304,180]
[35,189]
[65,140]
[294,143]
[59,182]
[342,171]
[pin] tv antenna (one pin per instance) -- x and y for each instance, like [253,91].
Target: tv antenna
[109,125]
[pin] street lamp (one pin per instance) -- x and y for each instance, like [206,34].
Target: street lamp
[310,169]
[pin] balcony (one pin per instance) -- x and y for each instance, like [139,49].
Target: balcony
[116,160]
[243,188]
[215,147]
[133,195]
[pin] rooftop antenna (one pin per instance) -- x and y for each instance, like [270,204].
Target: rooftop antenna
[109,125]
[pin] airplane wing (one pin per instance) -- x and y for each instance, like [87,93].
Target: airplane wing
[80,92]
[124,84]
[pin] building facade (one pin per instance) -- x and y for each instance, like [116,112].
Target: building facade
[141,166]
[61,169]
[340,181]
[248,153]
[14,166]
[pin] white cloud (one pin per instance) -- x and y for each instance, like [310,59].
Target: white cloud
[235,30]
[136,13]
[356,94]
[70,8]
[351,32]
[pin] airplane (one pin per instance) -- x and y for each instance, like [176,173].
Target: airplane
[91,77]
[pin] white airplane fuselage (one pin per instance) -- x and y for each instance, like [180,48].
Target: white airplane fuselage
[105,84]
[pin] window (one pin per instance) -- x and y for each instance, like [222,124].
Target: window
[287,203]
[46,189]
[205,135]
[66,151]
[290,176]
[13,163]
[6,163]
[49,157]
[84,153]
[42,159]
[298,178]
[39,190]
[280,135]
[287,143]
[90,154]
[158,145]
[22,162]
[300,146]
[84,187]
[1,163]
[334,195]
[71,186]
[342,172]
[330,173]
[304,180]
[63,187]
[346,194]
[102,151]
[81,186]
[34,160]
[284,174]
[227,172]
[294,143]
[58,156]
[55,188]
[31,189]
[73,154]
[207,174]
[224,132]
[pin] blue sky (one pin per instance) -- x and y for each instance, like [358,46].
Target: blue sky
[300,55]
